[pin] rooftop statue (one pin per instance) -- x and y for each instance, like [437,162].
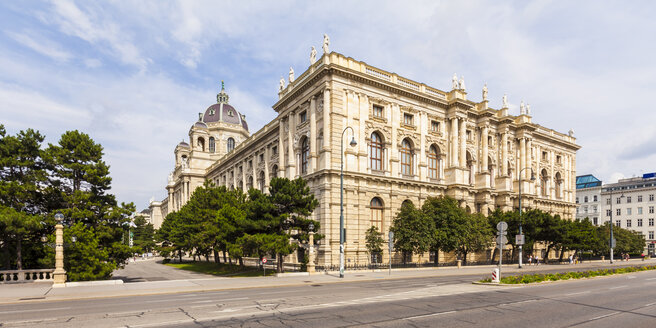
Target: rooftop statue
[505,101]
[462,83]
[454,81]
[291,75]
[282,84]
[313,55]
[485,92]
[528,109]
[326,43]
[522,108]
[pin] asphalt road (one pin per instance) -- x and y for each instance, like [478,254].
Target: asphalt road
[619,301]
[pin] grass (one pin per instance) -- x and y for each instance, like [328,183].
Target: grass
[540,277]
[221,269]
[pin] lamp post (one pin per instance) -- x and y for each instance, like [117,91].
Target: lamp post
[310,266]
[520,209]
[612,240]
[60,274]
[342,237]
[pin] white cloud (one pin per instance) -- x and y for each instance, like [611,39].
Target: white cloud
[42,46]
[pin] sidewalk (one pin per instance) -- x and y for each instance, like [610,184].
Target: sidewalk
[15,293]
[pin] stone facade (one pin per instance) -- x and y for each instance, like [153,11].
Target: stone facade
[413,142]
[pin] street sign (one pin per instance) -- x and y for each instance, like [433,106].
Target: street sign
[519,239]
[502,239]
[264,260]
[502,226]
[391,240]
[613,242]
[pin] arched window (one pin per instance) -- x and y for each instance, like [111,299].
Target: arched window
[470,167]
[240,185]
[544,180]
[201,144]
[305,154]
[406,157]
[376,152]
[433,165]
[407,202]
[274,172]
[260,181]
[231,144]
[559,183]
[212,145]
[250,182]
[377,213]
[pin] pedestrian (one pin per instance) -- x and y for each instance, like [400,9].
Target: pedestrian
[570,259]
[530,259]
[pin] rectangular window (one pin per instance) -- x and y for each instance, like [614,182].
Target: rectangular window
[468,134]
[608,201]
[618,211]
[628,223]
[651,235]
[407,119]
[594,208]
[651,210]
[651,222]
[594,198]
[558,159]
[261,157]
[303,116]
[435,126]
[607,212]
[618,200]
[628,199]
[618,223]
[639,210]
[628,211]
[585,209]
[639,199]
[274,150]
[651,197]
[595,221]
[639,222]
[577,200]
[378,111]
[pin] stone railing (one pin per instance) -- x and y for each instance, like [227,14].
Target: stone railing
[18,276]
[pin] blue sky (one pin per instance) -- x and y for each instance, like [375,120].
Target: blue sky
[134,74]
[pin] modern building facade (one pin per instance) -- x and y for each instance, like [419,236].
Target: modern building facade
[588,198]
[413,142]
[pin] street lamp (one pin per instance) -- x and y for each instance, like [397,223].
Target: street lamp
[310,266]
[342,237]
[612,240]
[520,209]
[60,274]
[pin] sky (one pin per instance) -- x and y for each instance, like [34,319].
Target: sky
[135,74]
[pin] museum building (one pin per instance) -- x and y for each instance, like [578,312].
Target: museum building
[412,142]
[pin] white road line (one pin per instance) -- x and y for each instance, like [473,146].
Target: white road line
[650,279]
[205,301]
[650,304]
[202,306]
[617,287]
[428,315]
[36,310]
[603,316]
[579,293]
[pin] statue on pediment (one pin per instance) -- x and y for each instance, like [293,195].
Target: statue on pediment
[313,55]
[485,92]
[326,44]
[282,84]
[291,75]
[454,82]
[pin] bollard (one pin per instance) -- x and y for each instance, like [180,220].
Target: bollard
[459,263]
[495,275]
[603,258]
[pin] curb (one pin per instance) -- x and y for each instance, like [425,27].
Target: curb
[94,283]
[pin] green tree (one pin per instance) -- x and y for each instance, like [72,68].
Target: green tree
[445,214]
[413,231]
[16,228]
[473,235]
[144,235]
[374,242]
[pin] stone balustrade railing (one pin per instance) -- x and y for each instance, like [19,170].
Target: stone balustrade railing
[18,276]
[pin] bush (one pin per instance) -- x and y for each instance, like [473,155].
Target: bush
[539,277]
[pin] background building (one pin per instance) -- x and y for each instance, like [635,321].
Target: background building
[588,198]
[413,142]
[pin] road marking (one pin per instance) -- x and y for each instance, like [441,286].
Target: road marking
[36,310]
[428,315]
[650,304]
[650,279]
[205,301]
[618,287]
[570,294]
[603,316]
[202,306]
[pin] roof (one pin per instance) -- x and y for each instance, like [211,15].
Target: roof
[587,181]
[224,112]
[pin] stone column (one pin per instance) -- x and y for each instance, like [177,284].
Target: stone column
[484,145]
[423,129]
[313,136]
[504,153]
[326,128]
[362,144]
[281,148]
[454,142]
[244,167]
[267,153]
[291,158]
[60,273]
[463,143]
[522,157]
[310,265]
[255,177]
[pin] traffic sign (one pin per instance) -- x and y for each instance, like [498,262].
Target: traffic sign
[264,260]
[613,242]
[502,240]
[519,239]
[502,226]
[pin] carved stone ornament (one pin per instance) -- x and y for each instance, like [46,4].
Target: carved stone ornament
[385,131]
[320,104]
